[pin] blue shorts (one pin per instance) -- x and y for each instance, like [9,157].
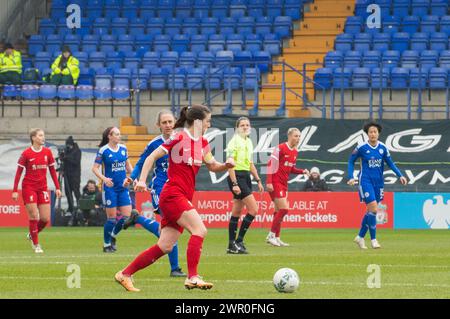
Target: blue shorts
[113,198]
[369,192]
[155,198]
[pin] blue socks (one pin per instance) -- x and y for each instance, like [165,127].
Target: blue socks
[369,223]
[119,226]
[107,229]
[372,222]
[364,226]
[150,224]
[153,226]
[173,258]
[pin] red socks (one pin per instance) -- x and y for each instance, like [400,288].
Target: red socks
[276,224]
[33,227]
[194,250]
[145,259]
[41,225]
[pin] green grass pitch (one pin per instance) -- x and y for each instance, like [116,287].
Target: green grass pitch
[413,264]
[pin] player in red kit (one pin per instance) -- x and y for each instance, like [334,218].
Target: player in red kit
[187,149]
[281,164]
[36,160]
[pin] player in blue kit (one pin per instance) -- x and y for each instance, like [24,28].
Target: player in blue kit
[372,154]
[165,122]
[114,157]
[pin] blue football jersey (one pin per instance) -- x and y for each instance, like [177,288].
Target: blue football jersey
[372,163]
[159,176]
[114,163]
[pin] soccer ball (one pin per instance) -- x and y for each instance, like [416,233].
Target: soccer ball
[286,280]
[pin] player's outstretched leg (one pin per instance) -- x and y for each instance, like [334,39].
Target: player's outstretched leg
[193,254]
[359,239]
[372,222]
[145,259]
[107,229]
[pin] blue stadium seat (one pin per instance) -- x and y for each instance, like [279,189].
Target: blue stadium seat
[342,78]
[232,76]
[47,92]
[323,78]
[194,78]
[429,59]
[205,59]
[352,59]
[272,44]
[256,8]
[420,7]
[344,42]
[439,7]
[227,25]
[169,59]
[420,41]
[190,26]
[263,58]
[215,76]
[219,8]
[180,43]
[353,25]
[238,8]
[161,43]
[282,25]
[400,8]
[362,42]
[411,24]
[263,25]
[410,59]
[371,59]
[334,59]
[251,78]
[438,78]
[361,78]
[400,41]
[46,27]
[381,41]
[380,78]
[216,43]
[391,24]
[390,59]
[274,8]
[172,26]
[102,90]
[293,9]
[201,8]
[66,92]
[86,77]
[121,89]
[30,92]
[429,24]
[438,41]
[199,43]
[188,59]
[399,78]
[418,78]
[245,25]
[158,79]
[140,79]
[223,57]
[444,59]
[445,24]
[36,44]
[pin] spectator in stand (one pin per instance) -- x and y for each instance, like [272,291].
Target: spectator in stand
[10,65]
[315,183]
[65,69]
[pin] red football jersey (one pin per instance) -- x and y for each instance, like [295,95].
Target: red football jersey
[36,164]
[186,155]
[281,164]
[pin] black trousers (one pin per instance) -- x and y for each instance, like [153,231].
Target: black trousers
[72,185]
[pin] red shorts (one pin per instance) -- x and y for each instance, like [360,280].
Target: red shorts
[31,196]
[279,191]
[171,207]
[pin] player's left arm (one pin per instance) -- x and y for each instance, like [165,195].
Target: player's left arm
[51,168]
[254,172]
[214,166]
[391,164]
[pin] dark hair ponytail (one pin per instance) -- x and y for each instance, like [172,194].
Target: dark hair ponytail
[369,125]
[105,136]
[189,114]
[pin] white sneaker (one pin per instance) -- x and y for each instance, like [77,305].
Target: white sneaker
[282,243]
[360,242]
[197,282]
[38,249]
[29,236]
[375,244]
[270,239]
